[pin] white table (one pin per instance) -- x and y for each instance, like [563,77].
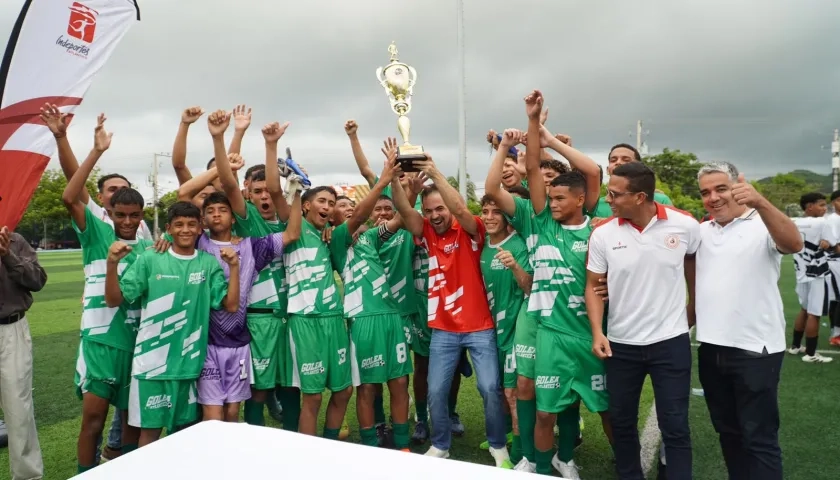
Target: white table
[228,451]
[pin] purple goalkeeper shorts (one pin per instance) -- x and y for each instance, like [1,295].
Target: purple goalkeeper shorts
[226,376]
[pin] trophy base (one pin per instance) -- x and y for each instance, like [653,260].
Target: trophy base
[407,154]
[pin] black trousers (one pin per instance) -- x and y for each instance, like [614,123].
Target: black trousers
[669,365]
[741,389]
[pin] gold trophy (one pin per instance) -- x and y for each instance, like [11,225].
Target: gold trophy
[398,79]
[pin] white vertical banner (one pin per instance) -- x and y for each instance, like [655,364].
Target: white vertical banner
[55,50]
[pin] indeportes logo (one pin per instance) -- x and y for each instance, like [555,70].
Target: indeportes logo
[82,23]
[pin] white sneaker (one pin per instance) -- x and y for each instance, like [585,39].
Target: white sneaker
[816,358]
[525,466]
[502,458]
[568,471]
[796,351]
[437,453]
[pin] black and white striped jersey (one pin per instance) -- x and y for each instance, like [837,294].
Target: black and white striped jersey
[811,262]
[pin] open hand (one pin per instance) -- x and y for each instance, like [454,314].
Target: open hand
[55,120]
[101,138]
[241,118]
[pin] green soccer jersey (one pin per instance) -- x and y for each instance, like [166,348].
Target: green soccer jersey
[309,275]
[177,293]
[366,288]
[397,256]
[602,208]
[421,273]
[115,327]
[504,295]
[269,290]
[558,257]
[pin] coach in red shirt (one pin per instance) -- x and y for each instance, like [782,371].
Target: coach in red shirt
[459,316]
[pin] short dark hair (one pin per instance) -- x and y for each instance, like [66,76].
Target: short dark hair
[385,197]
[555,165]
[257,175]
[574,180]
[640,178]
[636,154]
[600,175]
[312,192]
[210,162]
[521,191]
[835,195]
[342,197]
[183,209]
[101,182]
[127,196]
[487,199]
[250,172]
[214,198]
[428,190]
[809,198]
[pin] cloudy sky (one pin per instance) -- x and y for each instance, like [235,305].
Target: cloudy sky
[752,82]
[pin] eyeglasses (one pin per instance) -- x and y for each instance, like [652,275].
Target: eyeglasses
[612,194]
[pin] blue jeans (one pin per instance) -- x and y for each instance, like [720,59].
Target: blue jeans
[114,435]
[444,357]
[669,365]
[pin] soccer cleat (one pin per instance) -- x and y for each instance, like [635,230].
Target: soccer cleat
[485,445]
[437,453]
[385,436]
[796,350]
[568,470]
[525,466]
[344,432]
[500,455]
[457,428]
[816,358]
[275,410]
[421,433]
[405,450]
[835,341]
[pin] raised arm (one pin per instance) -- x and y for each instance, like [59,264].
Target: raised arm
[57,123]
[72,192]
[781,228]
[579,162]
[412,219]
[451,198]
[272,134]
[179,148]
[493,184]
[533,107]
[351,128]
[365,207]
[189,189]
[294,226]
[241,122]
[218,122]
[231,302]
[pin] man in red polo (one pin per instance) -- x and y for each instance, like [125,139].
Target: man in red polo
[459,316]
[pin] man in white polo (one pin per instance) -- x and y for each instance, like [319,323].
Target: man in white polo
[647,254]
[740,318]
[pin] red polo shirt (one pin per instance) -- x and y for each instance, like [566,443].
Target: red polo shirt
[457,299]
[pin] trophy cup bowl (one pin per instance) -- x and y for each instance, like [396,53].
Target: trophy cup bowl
[398,79]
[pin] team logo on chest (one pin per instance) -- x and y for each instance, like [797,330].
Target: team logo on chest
[672,241]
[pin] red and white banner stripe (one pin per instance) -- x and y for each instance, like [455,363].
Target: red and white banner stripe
[55,49]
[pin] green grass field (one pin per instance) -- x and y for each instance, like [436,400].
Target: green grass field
[808,397]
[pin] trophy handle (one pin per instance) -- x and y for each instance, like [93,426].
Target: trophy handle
[379,76]
[413,78]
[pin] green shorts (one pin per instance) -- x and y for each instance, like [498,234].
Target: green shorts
[421,337]
[104,371]
[568,371]
[267,349]
[525,345]
[378,349]
[162,403]
[507,368]
[318,348]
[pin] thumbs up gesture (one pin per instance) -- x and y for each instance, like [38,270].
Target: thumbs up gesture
[745,194]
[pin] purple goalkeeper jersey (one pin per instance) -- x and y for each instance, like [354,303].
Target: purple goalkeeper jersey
[255,253]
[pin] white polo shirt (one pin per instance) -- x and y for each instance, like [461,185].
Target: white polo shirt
[737,291]
[142,233]
[645,274]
